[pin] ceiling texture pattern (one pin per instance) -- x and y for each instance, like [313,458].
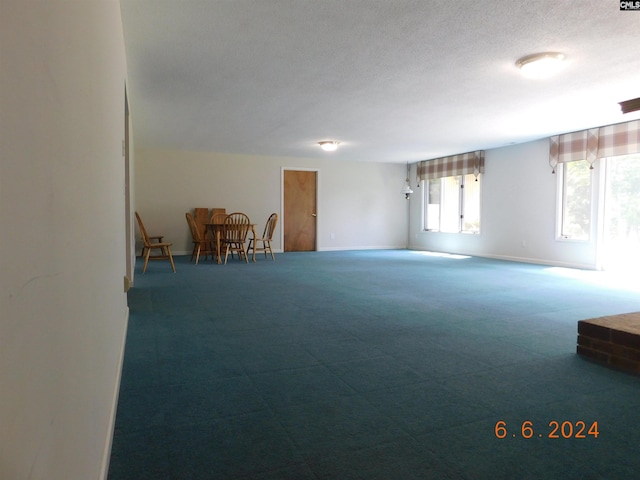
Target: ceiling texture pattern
[392,80]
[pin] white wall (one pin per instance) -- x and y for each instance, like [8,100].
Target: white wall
[360,203]
[518,213]
[63,310]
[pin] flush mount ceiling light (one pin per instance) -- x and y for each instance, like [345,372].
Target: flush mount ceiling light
[329,145]
[540,65]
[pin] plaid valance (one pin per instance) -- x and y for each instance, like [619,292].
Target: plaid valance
[619,139]
[589,145]
[463,164]
[572,147]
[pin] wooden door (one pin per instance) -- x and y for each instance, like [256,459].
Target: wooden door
[299,223]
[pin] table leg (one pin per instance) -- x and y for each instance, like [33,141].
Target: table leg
[253,232]
[218,245]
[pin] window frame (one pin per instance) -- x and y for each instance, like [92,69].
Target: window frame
[595,187]
[462,200]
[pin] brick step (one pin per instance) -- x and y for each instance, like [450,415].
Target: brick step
[613,340]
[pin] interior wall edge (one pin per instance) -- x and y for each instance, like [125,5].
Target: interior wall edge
[104,471]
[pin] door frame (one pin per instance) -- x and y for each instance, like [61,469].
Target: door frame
[300,169]
[128,218]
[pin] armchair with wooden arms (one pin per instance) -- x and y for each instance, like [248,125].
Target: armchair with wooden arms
[266,238]
[154,242]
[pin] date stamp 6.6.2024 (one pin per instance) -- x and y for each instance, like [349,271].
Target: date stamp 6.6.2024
[554,429]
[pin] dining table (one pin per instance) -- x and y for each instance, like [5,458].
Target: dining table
[216,230]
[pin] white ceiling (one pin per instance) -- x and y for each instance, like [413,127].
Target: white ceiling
[392,80]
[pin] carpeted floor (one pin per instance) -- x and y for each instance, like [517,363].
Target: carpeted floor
[371,365]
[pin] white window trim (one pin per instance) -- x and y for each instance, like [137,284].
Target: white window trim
[597,193]
[425,189]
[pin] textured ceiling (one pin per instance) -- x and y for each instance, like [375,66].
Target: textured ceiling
[392,80]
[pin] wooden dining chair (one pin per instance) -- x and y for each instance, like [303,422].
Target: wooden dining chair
[201,243]
[234,236]
[154,243]
[266,238]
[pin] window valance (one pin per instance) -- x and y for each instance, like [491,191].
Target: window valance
[589,145]
[463,164]
[619,139]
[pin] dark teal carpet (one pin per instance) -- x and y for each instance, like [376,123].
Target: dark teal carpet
[369,365]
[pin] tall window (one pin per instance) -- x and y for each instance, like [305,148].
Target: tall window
[621,239]
[452,204]
[575,217]
[600,205]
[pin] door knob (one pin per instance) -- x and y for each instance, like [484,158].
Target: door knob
[314,214]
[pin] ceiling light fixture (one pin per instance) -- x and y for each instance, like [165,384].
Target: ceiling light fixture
[540,65]
[329,145]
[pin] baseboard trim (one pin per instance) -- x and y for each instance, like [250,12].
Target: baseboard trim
[320,249]
[536,261]
[355,247]
[508,258]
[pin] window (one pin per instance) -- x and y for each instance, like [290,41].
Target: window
[621,222]
[452,204]
[600,205]
[575,216]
